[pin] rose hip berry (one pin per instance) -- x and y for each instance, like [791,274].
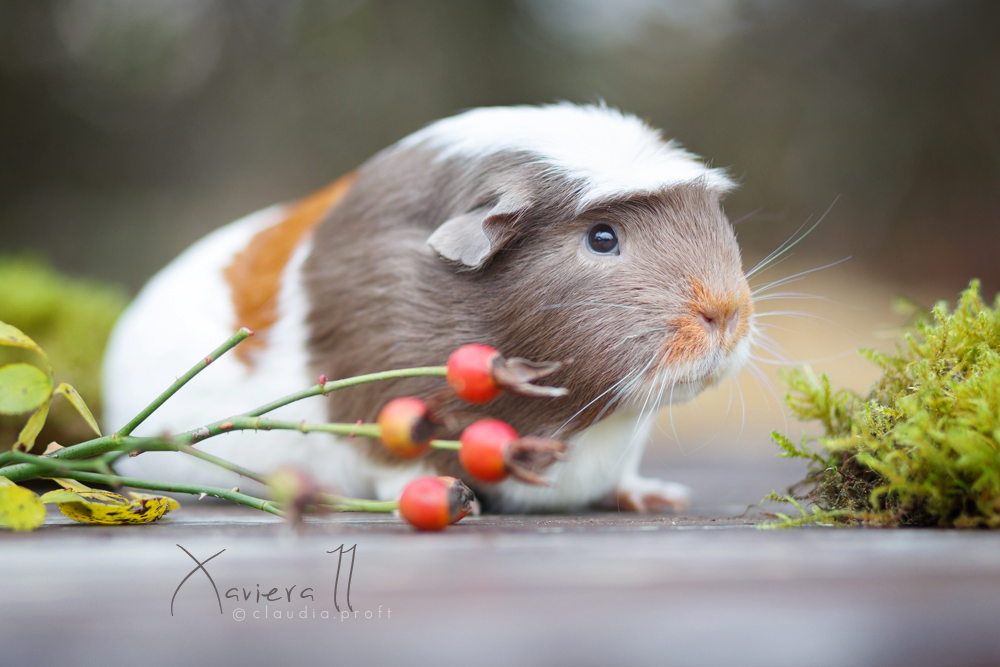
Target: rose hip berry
[406,425]
[478,373]
[432,503]
[484,445]
[470,373]
[491,450]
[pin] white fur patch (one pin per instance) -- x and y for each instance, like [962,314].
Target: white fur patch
[612,152]
[182,315]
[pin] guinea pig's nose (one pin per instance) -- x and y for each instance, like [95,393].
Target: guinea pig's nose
[715,321]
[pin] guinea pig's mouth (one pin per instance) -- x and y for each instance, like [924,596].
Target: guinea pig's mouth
[705,373]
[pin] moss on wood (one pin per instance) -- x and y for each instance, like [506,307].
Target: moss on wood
[922,448]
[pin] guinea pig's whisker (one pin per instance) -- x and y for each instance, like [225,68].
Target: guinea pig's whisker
[795,277]
[785,247]
[779,357]
[594,400]
[590,303]
[670,413]
[767,344]
[774,392]
[743,409]
[799,362]
[745,217]
[729,406]
[756,381]
[642,410]
[636,335]
[760,328]
[718,432]
[803,315]
[630,378]
[637,377]
[761,380]
[641,421]
[791,296]
[773,264]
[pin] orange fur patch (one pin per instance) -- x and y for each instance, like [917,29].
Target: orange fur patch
[691,340]
[255,274]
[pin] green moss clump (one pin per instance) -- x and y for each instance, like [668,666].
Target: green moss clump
[923,447]
[71,320]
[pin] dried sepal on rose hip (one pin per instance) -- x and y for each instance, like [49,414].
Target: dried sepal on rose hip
[491,450]
[433,503]
[407,427]
[479,373]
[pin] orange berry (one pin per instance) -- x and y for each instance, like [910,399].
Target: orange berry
[432,503]
[484,449]
[470,373]
[406,427]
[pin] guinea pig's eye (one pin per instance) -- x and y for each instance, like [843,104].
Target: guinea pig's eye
[602,239]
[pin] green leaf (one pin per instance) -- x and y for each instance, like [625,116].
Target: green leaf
[34,426]
[11,336]
[20,509]
[23,388]
[81,406]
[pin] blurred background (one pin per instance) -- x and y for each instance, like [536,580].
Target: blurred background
[130,128]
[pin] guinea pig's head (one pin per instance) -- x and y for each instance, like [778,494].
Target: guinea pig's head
[582,234]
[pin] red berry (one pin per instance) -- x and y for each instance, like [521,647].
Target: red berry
[406,427]
[484,449]
[470,373]
[432,503]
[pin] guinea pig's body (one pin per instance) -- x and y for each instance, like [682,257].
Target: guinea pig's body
[547,232]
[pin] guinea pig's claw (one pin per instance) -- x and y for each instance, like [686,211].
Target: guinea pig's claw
[516,375]
[644,494]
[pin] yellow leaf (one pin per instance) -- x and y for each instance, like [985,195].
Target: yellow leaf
[171,503]
[11,336]
[71,484]
[74,397]
[60,496]
[20,509]
[26,439]
[23,388]
[92,506]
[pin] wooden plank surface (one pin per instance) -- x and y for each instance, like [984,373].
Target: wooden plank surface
[596,589]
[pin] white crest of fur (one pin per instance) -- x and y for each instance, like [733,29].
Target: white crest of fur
[612,152]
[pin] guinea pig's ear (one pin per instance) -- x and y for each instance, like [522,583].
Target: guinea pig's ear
[474,237]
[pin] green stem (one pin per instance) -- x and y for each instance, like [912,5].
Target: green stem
[258,424]
[453,445]
[96,464]
[233,341]
[222,463]
[121,442]
[343,504]
[334,385]
[364,430]
[225,494]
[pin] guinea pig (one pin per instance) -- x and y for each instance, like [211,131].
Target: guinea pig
[549,233]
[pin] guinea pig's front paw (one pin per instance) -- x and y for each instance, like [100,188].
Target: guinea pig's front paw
[648,494]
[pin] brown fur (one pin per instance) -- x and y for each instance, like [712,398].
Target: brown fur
[255,274]
[382,299]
